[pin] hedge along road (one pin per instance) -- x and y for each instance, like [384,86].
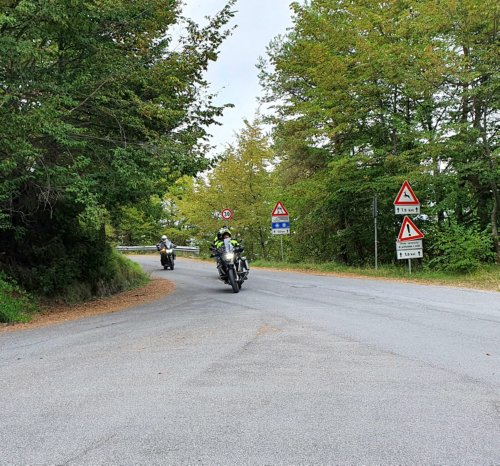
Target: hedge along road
[296,368]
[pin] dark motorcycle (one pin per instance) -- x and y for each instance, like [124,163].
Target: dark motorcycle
[167,257]
[233,268]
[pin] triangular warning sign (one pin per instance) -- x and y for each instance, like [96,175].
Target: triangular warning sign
[279,209]
[409,231]
[406,196]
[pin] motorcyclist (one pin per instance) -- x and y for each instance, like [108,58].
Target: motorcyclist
[218,236]
[167,244]
[223,234]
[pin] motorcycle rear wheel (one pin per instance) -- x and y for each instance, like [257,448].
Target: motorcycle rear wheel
[231,274]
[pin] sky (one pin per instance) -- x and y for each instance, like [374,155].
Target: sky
[234,76]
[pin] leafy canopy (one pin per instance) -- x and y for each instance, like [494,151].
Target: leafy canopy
[101,107]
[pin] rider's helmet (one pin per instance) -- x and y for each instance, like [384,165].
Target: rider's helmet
[223,231]
[164,238]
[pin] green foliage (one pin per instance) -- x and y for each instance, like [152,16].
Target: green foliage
[243,182]
[369,94]
[58,257]
[119,274]
[99,112]
[456,248]
[15,304]
[139,224]
[115,275]
[180,237]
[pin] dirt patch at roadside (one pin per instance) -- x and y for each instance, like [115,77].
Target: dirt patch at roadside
[57,313]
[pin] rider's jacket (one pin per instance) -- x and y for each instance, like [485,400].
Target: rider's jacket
[164,244]
[219,243]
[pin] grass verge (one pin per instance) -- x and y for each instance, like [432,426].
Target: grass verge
[121,274]
[15,304]
[486,278]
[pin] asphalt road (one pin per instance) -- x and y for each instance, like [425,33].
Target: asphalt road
[294,369]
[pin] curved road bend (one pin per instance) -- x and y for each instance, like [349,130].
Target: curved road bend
[295,369]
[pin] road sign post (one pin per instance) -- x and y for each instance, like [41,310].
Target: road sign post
[409,231]
[406,202]
[227,214]
[409,243]
[280,220]
[280,223]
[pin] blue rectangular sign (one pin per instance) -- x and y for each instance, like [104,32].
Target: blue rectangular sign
[281,225]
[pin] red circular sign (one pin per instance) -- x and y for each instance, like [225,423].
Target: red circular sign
[227,214]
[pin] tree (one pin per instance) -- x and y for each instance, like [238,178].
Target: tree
[241,181]
[369,93]
[98,111]
[139,224]
[474,33]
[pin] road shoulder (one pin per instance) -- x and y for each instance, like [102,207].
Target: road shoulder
[156,289]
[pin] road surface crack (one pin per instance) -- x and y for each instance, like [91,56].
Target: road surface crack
[93,446]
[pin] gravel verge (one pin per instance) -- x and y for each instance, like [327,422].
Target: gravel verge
[57,313]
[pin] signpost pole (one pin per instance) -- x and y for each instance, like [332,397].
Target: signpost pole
[282,257]
[375,227]
[409,265]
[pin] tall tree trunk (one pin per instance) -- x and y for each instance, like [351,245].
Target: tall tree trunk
[494,217]
[494,191]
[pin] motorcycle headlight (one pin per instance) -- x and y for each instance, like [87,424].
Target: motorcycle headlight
[169,251]
[229,256]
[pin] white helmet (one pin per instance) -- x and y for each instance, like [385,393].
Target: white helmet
[164,237]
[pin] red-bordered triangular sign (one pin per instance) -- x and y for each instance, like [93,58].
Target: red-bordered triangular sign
[406,196]
[409,231]
[279,209]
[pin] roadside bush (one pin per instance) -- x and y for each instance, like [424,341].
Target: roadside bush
[119,274]
[64,259]
[460,249]
[15,304]
[116,274]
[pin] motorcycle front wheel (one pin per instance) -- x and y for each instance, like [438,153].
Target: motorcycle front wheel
[231,274]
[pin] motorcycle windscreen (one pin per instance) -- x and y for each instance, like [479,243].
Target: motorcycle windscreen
[227,245]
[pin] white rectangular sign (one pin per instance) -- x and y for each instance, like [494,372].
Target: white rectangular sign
[411,254]
[406,209]
[281,231]
[280,224]
[406,245]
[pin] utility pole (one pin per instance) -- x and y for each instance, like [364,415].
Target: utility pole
[374,213]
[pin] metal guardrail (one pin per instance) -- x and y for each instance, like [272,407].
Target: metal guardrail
[194,249]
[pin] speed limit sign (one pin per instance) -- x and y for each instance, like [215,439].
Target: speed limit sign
[227,214]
